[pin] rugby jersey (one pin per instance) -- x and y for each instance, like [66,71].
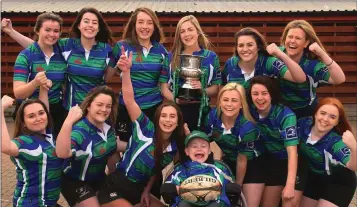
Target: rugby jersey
[216,170]
[277,130]
[301,95]
[144,75]
[138,161]
[265,65]
[83,74]
[209,64]
[38,171]
[327,153]
[90,151]
[241,138]
[32,60]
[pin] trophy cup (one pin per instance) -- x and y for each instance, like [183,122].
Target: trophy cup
[190,70]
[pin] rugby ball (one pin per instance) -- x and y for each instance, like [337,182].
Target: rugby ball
[200,189]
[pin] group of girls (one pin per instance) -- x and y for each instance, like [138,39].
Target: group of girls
[310,162]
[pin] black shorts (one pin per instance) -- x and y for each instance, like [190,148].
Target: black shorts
[191,113]
[123,121]
[276,172]
[118,186]
[255,171]
[76,191]
[338,188]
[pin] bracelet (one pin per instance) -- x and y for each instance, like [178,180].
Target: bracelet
[330,63]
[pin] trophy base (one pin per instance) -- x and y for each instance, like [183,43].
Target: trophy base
[189,94]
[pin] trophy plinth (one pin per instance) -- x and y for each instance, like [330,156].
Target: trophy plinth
[190,70]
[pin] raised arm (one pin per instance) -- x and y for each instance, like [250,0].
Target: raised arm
[124,63]
[6,27]
[43,95]
[350,142]
[337,76]
[295,72]
[24,90]
[7,146]
[63,143]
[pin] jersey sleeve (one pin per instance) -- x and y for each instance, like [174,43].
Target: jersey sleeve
[22,66]
[288,127]
[116,53]
[165,74]
[209,121]
[28,150]
[248,134]
[276,67]
[340,152]
[177,176]
[321,74]
[217,74]
[143,127]
[77,138]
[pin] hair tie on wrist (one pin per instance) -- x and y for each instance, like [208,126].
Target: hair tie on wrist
[330,63]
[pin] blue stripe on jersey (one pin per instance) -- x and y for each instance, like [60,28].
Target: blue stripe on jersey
[327,153]
[145,74]
[277,130]
[32,60]
[38,171]
[83,74]
[138,162]
[265,65]
[90,151]
[241,138]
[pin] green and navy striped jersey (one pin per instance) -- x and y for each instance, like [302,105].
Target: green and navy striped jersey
[277,130]
[38,171]
[91,148]
[32,60]
[265,65]
[138,161]
[84,73]
[241,138]
[190,168]
[301,95]
[327,153]
[144,75]
[209,64]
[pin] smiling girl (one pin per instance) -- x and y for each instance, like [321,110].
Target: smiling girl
[190,40]
[143,36]
[42,61]
[252,57]
[331,149]
[152,146]
[302,45]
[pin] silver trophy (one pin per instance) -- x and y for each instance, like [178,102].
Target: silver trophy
[190,70]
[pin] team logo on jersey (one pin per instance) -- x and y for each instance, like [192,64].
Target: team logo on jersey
[345,151]
[250,145]
[102,150]
[78,61]
[40,69]
[290,132]
[278,64]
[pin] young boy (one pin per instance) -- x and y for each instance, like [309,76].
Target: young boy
[200,162]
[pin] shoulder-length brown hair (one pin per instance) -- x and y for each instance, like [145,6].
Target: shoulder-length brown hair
[93,94]
[104,34]
[178,135]
[130,36]
[20,128]
[44,17]
[343,124]
[257,36]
